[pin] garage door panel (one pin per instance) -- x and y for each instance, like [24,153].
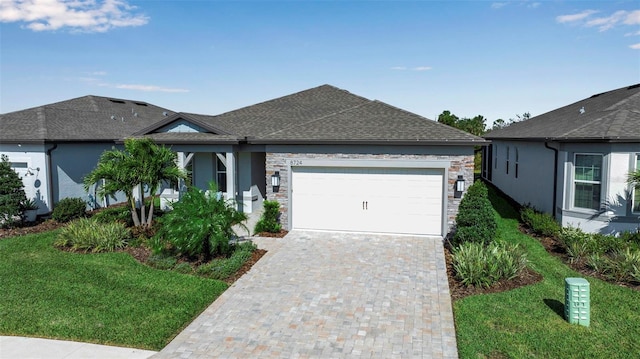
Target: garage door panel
[387,200]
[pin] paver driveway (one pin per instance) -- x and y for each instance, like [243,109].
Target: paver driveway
[330,295]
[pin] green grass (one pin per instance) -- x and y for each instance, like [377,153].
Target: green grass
[528,322]
[101,298]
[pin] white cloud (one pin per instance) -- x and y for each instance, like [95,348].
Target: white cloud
[575,17]
[77,15]
[604,23]
[147,88]
[399,68]
[422,68]
[608,22]
[534,5]
[632,18]
[498,5]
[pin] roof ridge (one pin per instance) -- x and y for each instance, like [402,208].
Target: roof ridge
[415,114]
[403,110]
[319,118]
[586,124]
[624,100]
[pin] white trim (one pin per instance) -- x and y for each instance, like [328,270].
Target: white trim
[443,165]
[635,191]
[573,182]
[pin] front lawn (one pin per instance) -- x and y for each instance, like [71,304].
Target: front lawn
[528,322]
[106,298]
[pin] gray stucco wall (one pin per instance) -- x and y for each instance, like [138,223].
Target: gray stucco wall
[279,158]
[70,163]
[534,183]
[204,170]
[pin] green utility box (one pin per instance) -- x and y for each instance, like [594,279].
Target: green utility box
[576,301]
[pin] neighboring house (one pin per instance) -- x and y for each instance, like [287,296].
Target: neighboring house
[334,160]
[573,162]
[54,146]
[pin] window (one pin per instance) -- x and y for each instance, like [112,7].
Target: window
[18,165]
[495,158]
[221,175]
[587,181]
[507,164]
[636,191]
[517,161]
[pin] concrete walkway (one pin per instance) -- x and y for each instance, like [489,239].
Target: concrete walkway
[330,295]
[37,348]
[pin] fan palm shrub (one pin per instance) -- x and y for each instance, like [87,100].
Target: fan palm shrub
[200,225]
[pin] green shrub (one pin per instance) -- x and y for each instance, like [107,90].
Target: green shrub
[580,244]
[269,220]
[540,223]
[475,221]
[68,209]
[11,194]
[222,269]
[478,265]
[162,261]
[199,225]
[120,214]
[85,234]
[184,268]
[478,189]
[577,243]
[632,239]
[623,265]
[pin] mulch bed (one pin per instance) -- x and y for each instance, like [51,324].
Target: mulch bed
[30,228]
[141,254]
[459,291]
[528,276]
[554,248]
[280,234]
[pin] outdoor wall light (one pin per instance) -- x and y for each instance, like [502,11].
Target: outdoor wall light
[459,187]
[29,169]
[275,181]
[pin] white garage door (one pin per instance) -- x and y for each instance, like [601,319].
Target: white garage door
[383,200]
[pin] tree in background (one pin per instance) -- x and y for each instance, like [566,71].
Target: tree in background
[500,123]
[141,163]
[475,126]
[11,194]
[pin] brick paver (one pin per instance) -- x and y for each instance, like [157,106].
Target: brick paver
[330,295]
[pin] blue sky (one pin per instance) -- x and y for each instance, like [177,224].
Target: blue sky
[491,58]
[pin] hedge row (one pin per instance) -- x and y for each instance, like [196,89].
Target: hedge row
[475,221]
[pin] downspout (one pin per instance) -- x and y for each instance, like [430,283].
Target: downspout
[50,174]
[555,176]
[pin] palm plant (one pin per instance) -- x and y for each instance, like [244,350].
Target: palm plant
[200,225]
[141,163]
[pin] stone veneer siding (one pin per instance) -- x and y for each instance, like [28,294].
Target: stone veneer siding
[459,164]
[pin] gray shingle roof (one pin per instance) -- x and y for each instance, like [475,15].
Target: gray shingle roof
[323,114]
[88,118]
[609,116]
[327,114]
